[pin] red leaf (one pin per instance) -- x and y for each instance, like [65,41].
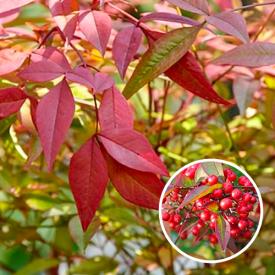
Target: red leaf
[125,47]
[170,17]
[102,82]
[65,16]
[11,100]
[82,76]
[96,26]
[41,71]
[143,189]
[133,150]
[8,5]
[196,6]
[55,112]
[188,74]
[10,60]
[51,54]
[88,180]
[251,55]
[114,111]
[231,23]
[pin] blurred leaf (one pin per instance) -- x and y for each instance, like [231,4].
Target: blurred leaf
[269,265]
[96,265]
[40,202]
[61,210]
[36,266]
[82,239]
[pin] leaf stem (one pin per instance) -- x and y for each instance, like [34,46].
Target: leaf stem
[253,6]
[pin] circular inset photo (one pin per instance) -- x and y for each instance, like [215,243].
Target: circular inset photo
[211,211]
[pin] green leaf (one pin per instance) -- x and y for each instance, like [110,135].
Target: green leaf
[96,265]
[37,266]
[200,174]
[269,264]
[222,229]
[182,180]
[213,207]
[40,201]
[82,239]
[213,168]
[165,52]
[199,192]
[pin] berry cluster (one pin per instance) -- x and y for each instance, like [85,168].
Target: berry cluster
[233,203]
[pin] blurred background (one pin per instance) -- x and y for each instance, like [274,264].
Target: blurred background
[40,230]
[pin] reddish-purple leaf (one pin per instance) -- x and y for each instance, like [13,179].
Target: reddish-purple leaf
[114,111]
[11,100]
[125,47]
[196,6]
[188,74]
[8,5]
[232,246]
[251,55]
[189,223]
[243,89]
[222,230]
[34,152]
[133,150]
[140,188]
[8,16]
[212,206]
[82,76]
[54,115]
[202,232]
[51,54]
[41,71]
[102,82]
[65,14]
[20,32]
[10,60]
[96,26]
[197,193]
[170,17]
[231,23]
[88,180]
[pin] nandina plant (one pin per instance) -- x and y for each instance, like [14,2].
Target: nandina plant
[115,150]
[208,201]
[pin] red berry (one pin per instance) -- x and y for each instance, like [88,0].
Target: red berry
[243,209]
[195,231]
[242,180]
[227,187]
[217,193]
[213,218]
[231,176]
[213,239]
[249,207]
[225,203]
[175,196]
[183,235]
[247,234]
[177,190]
[248,184]
[242,224]
[258,210]
[172,225]
[165,216]
[226,171]
[177,218]
[190,173]
[235,233]
[250,224]
[253,199]
[199,203]
[204,181]
[232,220]
[244,215]
[199,224]
[205,216]
[246,197]
[212,179]
[171,218]
[236,194]
[212,225]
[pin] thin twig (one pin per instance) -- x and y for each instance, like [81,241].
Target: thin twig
[253,6]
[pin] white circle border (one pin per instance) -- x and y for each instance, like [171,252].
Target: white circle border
[228,258]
